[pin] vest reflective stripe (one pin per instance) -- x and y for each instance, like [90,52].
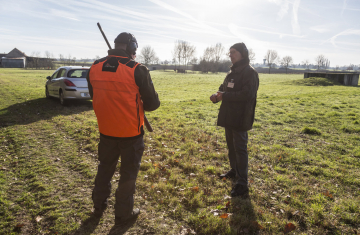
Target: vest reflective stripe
[116,99]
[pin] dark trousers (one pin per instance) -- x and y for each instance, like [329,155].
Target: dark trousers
[238,155]
[110,149]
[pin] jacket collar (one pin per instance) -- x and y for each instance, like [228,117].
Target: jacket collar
[118,52]
[239,66]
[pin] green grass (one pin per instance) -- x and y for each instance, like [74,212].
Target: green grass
[304,160]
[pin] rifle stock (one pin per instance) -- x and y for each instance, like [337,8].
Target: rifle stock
[146,122]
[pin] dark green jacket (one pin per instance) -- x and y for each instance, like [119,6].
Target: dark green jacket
[237,110]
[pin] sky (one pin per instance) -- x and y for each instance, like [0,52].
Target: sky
[302,29]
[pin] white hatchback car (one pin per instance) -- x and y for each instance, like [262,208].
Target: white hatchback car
[68,83]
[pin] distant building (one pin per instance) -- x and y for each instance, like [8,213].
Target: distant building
[345,78]
[14,59]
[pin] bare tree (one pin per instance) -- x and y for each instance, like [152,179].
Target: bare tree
[36,59]
[85,61]
[47,54]
[194,60]
[48,63]
[173,61]
[166,62]
[336,67]
[219,52]
[155,60]
[326,64]
[62,59]
[68,60]
[207,60]
[319,60]
[147,54]
[350,67]
[286,62]
[188,52]
[271,57]
[306,64]
[177,52]
[322,62]
[251,56]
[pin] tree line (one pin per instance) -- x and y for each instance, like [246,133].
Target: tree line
[214,59]
[36,62]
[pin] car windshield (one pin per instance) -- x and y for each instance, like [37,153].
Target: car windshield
[77,73]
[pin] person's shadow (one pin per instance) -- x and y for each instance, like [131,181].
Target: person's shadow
[243,220]
[121,229]
[89,225]
[30,111]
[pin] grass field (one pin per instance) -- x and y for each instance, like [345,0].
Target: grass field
[304,160]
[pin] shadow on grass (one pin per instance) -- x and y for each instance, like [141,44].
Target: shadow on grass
[88,226]
[40,109]
[121,229]
[243,219]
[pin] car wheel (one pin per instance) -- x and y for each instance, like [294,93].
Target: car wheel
[62,100]
[47,92]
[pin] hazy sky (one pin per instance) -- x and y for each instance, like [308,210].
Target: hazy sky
[302,29]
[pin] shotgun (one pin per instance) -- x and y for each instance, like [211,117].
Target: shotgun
[147,124]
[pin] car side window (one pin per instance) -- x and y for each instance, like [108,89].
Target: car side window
[55,74]
[61,73]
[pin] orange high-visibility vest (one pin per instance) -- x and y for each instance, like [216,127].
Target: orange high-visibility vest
[116,98]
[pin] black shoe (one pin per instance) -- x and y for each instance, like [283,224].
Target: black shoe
[240,191]
[230,174]
[98,212]
[134,214]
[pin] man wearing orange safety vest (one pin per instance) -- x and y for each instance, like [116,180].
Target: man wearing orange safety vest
[121,89]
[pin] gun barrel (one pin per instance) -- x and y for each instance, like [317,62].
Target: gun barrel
[147,124]
[102,32]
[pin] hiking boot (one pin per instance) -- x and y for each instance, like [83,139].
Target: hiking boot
[98,212]
[240,191]
[229,175]
[134,214]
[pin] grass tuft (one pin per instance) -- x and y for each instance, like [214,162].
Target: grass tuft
[311,131]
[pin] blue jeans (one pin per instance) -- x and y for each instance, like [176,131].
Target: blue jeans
[238,155]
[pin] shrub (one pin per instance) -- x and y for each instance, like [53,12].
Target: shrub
[311,131]
[314,81]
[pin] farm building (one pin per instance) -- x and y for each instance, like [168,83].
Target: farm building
[345,78]
[13,62]
[14,59]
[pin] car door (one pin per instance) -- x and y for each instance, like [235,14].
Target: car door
[50,84]
[57,82]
